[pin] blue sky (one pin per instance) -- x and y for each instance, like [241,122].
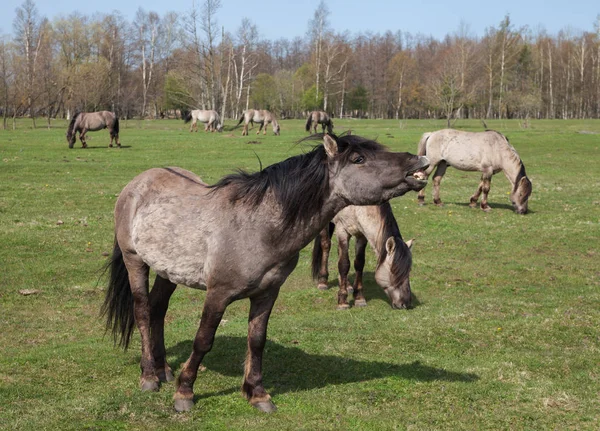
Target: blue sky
[288,19]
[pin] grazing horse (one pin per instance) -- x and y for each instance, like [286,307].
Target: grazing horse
[261,116]
[488,152]
[239,238]
[375,225]
[211,120]
[84,122]
[319,117]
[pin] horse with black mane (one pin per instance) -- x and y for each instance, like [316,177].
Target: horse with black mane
[260,116]
[239,238]
[319,117]
[84,122]
[210,118]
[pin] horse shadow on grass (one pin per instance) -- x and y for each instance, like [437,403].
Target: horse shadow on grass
[290,369]
[372,291]
[493,206]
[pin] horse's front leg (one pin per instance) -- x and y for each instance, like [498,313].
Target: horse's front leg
[82,138]
[252,387]
[159,302]
[245,130]
[260,128]
[325,241]
[437,179]
[359,265]
[343,269]
[212,313]
[484,187]
[421,195]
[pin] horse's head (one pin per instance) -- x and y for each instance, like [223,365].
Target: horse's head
[363,172]
[71,138]
[276,128]
[220,127]
[393,271]
[520,195]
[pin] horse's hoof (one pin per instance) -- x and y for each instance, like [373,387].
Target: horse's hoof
[166,376]
[183,405]
[149,385]
[265,406]
[110,145]
[322,286]
[360,303]
[486,209]
[421,203]
[343,306]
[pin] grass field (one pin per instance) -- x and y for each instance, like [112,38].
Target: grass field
[505,334]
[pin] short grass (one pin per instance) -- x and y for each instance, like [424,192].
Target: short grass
[504,335]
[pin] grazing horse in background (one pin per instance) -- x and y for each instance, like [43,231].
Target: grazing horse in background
[488,152]
[319,117]
[84,122]
[261,116]
[375,225]
[210,118]
[239,238]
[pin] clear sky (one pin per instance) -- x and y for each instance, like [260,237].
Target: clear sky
[287,19]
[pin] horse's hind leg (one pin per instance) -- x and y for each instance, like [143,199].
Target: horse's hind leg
[437,179]
[323,268]
[484,187]
[138,280]
[359,265]
[212,313]
[159,302]
[252,387]
[260,128]
[421,195]
[343,269]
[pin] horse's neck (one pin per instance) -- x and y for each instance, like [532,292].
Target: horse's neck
[512,170]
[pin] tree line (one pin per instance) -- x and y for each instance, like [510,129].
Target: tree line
[155,66]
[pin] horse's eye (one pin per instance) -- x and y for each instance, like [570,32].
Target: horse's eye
[357,159]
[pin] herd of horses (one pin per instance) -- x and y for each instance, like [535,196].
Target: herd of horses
[241,237]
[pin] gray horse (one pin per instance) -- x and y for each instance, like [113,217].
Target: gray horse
[84,122]
[210,118]
[239,238]
[319,117]
[260,116]
[377,226]
[488,152]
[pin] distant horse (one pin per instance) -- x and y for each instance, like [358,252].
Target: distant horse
[84,122]
[260,116]
[376,225]
[211,120]
[319,117]
[488,152]
[239,238]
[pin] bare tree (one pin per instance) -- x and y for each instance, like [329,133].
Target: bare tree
[146,25]
[317,30]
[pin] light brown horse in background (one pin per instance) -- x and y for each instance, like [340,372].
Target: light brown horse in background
[488,152]
[260,116]
[377,226]
[84,122]
[239,238]
[210,118]
[319,117]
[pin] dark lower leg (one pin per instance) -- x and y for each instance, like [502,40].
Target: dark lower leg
[437,179]
[359,265]
[324,268]
[159,302]
[343,269]
[485,189]
[252,387]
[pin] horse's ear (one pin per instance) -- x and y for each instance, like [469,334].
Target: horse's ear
[331,147]
[409,243]
[390,246]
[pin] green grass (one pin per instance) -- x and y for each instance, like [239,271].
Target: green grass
[504,336]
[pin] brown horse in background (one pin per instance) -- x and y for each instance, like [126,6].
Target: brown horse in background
[84,122]
[319,117]
[488,152]
[260,116]
[240,238]
[377,226]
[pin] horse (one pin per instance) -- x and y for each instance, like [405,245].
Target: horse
[261,116]
[84,122]
[211,120]
[239,238]
[375,225]
[488,152]
[319,117]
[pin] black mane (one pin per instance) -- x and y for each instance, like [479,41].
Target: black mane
[402,256]
[72,124]
[299,184]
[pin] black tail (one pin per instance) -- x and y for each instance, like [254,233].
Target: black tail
[118,303]
[309,122]
[318,251]
[187,117]
[116,126]
[239,122]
